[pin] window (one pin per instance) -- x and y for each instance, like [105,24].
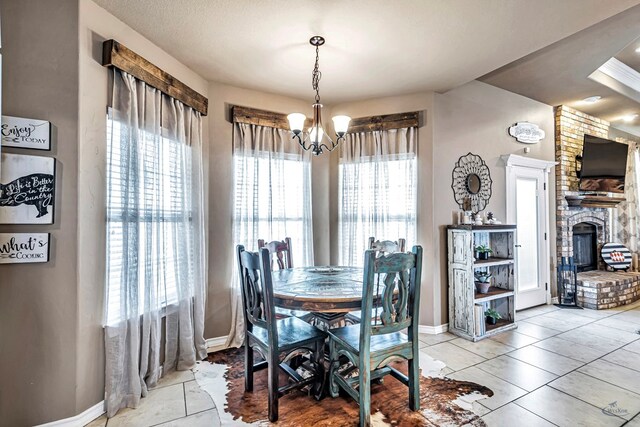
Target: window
[272,201]
[377,197]
[147,207]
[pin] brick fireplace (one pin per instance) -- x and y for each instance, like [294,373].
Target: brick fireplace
[597,288]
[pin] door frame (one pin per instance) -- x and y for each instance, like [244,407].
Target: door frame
[513,163]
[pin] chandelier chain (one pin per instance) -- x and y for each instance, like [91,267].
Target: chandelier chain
[316,75]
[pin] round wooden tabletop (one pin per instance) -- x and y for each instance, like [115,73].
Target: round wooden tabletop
[319,289]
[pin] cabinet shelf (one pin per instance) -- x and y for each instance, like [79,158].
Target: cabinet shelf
[492,261]
[494,293]
[500,326]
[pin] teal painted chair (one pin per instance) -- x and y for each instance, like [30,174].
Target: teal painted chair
[371,346]
[275,340]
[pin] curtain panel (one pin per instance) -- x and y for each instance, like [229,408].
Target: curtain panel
[377,190]
[628,212]
[155,240]
[272,200]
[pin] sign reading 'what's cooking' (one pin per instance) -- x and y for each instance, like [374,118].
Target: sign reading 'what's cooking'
[21,248]
[25,133]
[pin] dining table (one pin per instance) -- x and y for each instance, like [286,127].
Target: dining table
[327,293]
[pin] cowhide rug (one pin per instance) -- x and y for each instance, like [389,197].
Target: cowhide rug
[223,378]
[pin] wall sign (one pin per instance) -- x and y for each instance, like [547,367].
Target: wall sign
[527,133]
[22,248]
[27,187]
[25,133]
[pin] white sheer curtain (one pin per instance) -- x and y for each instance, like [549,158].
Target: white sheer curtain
[628,212]
[155,240]
[272,194]
[377,190]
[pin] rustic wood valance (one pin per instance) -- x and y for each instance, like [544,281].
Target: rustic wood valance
[254,116]
[119,56]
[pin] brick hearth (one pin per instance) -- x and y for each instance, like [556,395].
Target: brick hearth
[607,289]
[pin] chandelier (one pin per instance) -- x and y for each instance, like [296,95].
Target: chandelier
[313,138]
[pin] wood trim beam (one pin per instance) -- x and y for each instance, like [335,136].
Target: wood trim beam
[254,116]
[385,122]
[116,55]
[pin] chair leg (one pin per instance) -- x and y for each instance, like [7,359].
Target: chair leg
[364,394]
[318,359]
[248,366]
[273,370]
[334,364]
[414,384]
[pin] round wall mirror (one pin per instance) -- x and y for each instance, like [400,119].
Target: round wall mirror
[473,183]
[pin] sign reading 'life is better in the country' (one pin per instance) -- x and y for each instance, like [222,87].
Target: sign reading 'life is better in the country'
[21,248]
[25,133]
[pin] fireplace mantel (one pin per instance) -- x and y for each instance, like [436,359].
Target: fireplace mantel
[592,201]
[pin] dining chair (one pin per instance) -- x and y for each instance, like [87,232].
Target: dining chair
[387,246]
[370,346]
[275,340]
[281,251]
[381,247]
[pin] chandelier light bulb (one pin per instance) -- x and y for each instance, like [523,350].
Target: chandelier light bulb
[296,122]
[341,124]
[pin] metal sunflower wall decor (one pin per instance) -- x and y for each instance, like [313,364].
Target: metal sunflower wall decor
[471,183]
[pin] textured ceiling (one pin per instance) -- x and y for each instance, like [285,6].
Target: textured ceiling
[559,74]
[374,47]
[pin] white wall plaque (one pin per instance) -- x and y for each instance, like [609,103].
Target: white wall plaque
[525,132]
[22,248]
[27,187]
[25,133]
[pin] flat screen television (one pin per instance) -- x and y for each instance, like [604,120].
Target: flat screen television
[604,164]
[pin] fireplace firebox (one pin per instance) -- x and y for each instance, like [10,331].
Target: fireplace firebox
[585,246]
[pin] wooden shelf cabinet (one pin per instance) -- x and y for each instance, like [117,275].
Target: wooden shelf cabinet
[466,305]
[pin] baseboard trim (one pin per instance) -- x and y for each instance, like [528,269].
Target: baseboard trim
[79,420]
[433,330]
[215,342]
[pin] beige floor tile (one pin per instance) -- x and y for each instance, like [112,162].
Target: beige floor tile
[611,334]
[514,415]
[545,359]
[516,372]
[562,322]
[564,410]
[613,374]
[625,358]
[429,367]
[571,349]
[161,405]
[617,323]
[514,339]
[594,314]
[98,422]
[503,392]
[634,422]
[175,377]
[536,311]
[431,339]
[634,347]
[197,399]
[208,418]
[453,356]
[485,348]
[600,394]
[584,337]
[536,331]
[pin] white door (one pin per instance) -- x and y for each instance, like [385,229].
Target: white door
[529,210]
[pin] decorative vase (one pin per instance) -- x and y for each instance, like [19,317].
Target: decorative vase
[483,287]
[483,255]
[492,320]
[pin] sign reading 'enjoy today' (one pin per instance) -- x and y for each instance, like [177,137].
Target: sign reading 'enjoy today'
[20,248]
[25,133]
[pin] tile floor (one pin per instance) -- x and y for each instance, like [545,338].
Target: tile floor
[560,367]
